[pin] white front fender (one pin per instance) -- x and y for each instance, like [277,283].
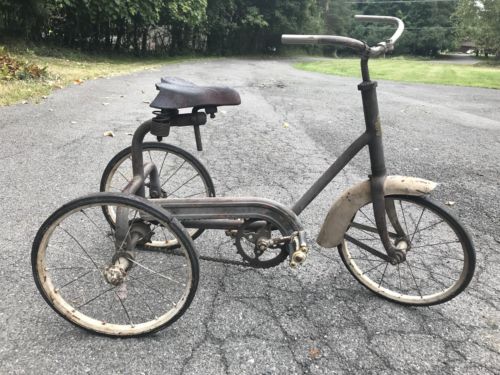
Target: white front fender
[344,208]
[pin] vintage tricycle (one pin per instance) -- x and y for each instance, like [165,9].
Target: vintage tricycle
[123,262]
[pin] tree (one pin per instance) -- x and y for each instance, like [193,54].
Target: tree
[479,21]
[428,28]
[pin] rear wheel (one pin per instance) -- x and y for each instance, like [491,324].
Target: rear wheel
[440,257]
[181,176]
[85,279]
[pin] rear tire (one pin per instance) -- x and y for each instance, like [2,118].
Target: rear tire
[173,164]
[75,248]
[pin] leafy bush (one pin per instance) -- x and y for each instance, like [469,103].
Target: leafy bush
[14,69]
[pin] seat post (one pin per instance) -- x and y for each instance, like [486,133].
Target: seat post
[137,159]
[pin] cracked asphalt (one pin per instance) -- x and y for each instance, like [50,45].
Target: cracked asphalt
[315,320]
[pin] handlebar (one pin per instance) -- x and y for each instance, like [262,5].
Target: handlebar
[355,44]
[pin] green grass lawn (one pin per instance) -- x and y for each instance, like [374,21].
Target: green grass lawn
[411,70]
[67,67]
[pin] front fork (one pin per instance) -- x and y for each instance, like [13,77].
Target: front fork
[397,254]
[377,160]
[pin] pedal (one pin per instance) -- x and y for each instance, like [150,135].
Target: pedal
[299,255]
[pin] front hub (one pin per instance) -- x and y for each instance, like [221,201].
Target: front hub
[399,256]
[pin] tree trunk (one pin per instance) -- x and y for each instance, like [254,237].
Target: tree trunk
[135,42]
[119,36]
[144,42]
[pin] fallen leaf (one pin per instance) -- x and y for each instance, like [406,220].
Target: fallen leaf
[286,125]
[449,203]
[109,133]
[314,353]
[78,81]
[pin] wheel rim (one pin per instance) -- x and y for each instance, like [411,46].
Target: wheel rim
[172,167]
[71,260]
[437,262]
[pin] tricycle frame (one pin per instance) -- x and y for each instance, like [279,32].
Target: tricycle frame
[251,219]
[226,213]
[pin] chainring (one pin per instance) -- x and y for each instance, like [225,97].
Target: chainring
[246,243]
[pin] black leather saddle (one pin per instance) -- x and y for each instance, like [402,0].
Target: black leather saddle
[176,93]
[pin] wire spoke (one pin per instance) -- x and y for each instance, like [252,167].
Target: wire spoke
[152,288]
[173,174]
[75,279]
[128,230]
[432,273]
[371,269]
[404,217]
[143,299]
[80,245]
[66,268]
[430,226]
[192,195]
[370,220]
[124,308]
[383,274]
[96,297]
[163,270]
[441,257]
[414,280]
[399,273]
[435,244]
[70,254]
[418,223]
[162,163]
[154,272]
[99,228]
[124,177]
[197,174]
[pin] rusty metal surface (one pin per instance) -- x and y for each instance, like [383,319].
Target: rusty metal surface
[343,209]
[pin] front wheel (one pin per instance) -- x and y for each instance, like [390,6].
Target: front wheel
[106,285]
[440,256]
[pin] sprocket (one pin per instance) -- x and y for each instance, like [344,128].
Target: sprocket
[252,245]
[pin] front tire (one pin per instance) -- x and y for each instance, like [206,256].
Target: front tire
[440,260]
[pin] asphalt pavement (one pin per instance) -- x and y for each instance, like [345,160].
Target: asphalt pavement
[290,126]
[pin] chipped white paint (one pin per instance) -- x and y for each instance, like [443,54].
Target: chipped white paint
[345,207]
